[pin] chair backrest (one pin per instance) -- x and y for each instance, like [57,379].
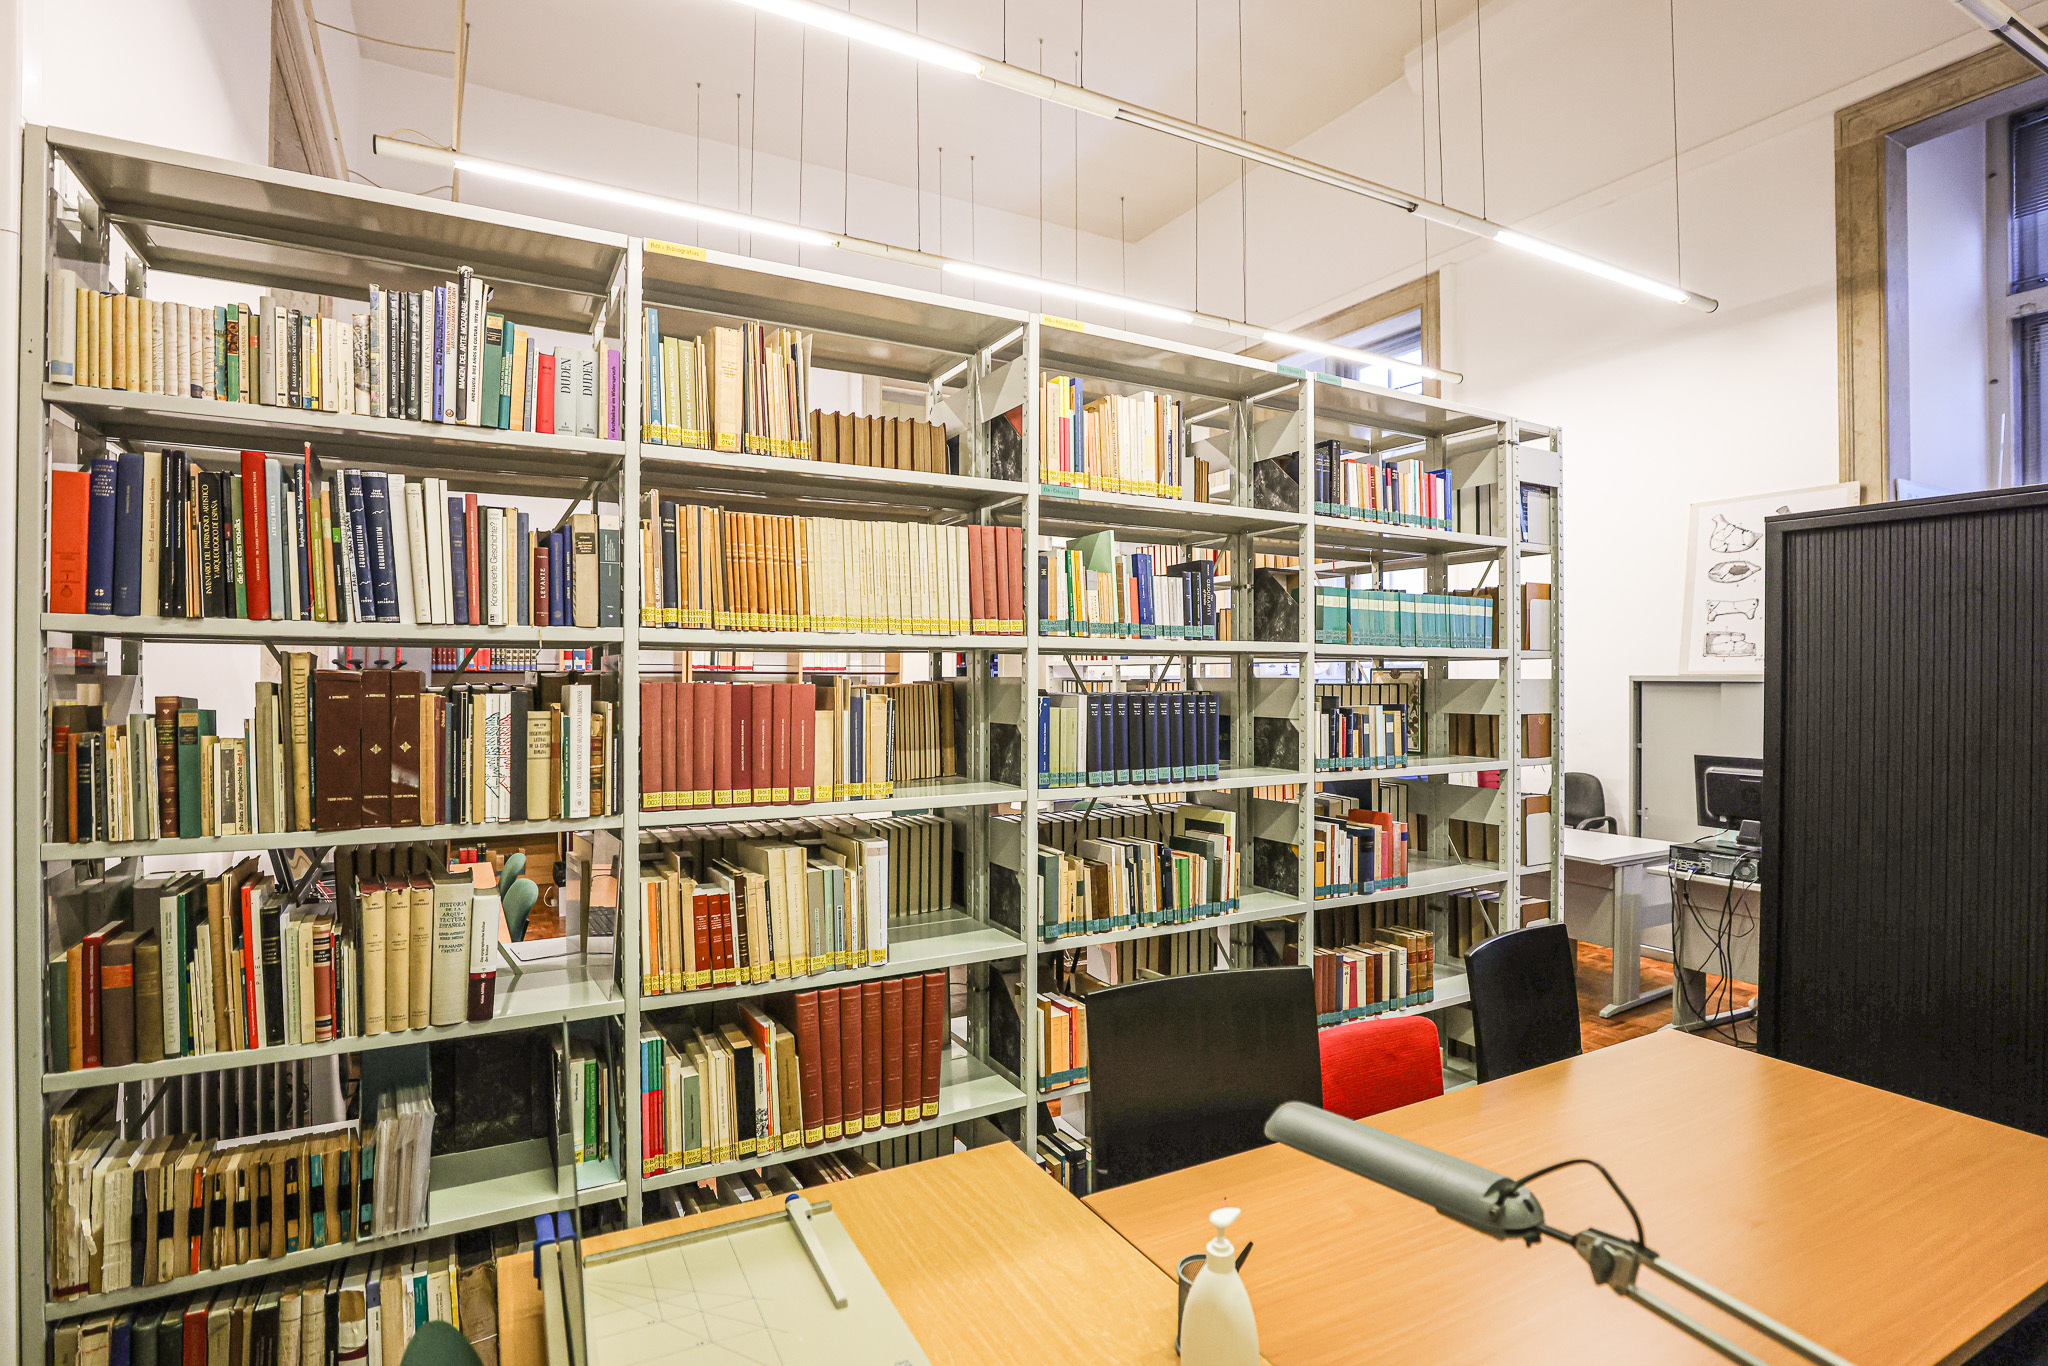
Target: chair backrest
[1370,1066]
[1525,1000]
[436,1343]
[1185,1069]
[1584,798]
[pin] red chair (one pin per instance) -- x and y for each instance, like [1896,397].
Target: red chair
[1375,1065]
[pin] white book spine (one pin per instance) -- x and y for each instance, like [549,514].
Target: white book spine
[451,335]
[493,529]
[403,495]
[359,339]
[63,315]
[374,351]
[437,527]
[578,740]
[565,390]
[345,578]
[422,603]
[586,392]
[473,340]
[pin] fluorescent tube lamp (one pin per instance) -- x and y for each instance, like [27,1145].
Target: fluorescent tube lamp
[866,31]
[594,190]
[1323,348]
[1564,256]
[2006,26]
[1029,284]
[1502,1207]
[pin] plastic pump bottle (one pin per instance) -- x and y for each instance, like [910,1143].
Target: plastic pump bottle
[1217,1327]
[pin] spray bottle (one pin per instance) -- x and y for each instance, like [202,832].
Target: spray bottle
[1216,1327]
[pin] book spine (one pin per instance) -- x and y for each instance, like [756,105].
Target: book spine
[100,535]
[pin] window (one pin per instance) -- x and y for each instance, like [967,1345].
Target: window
[2017,335]
[1399,336]
[1402,323]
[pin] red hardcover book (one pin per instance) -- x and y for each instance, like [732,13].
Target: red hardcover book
[719,742]
[829,1060]
[653,747]
[323,984]
[93,946]
[852,1058]
[681,743]
[252,941]
[1010,557]
[736,703]
[981,561]
[913,1048]
[761,743]
[809,1065]
[476,579]
[256,535]
[706,728]
[936,1033]
[892,1050]
[544,400]
[70,516]
[539,556]
[874,1041]
[804,737]
[782,739]
[700,931]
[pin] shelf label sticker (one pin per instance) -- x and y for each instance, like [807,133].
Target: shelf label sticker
[1291,371]
[1325,377]
[675,249]
[1052,320]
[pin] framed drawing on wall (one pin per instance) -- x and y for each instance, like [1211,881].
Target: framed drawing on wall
[1724,575]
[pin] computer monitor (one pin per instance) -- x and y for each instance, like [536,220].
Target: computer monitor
[1728,790]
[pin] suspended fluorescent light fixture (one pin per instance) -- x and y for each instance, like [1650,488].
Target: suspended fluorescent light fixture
[445,159]
[2006,26]
[1107,107]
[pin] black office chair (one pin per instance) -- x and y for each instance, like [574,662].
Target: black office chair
[1585,804]
[1525,1000]
[1186,1069]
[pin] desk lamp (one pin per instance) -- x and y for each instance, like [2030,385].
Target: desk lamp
[1506,1208]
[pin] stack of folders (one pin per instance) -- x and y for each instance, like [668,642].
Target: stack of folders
[706,568]
[734,389]
[436,355]
[366,1308]
[1102,739]
[1142,596]
[782,744]
[339,749]
[152,533]
[817,1066]
[1116,866]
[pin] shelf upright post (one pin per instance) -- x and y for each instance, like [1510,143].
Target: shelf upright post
[24,824]
[626,938]
[1511,679]
[1305,799]
[1556,533]
[1027,750]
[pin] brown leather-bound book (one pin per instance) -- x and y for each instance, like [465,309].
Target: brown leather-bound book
[862,445]
[830,1062]
[740,735]
[117,999]
[977,609]
[892,1050]
[91,1008]
[991,581]
[406,686]
[722,741]
[336,744]
[703,906]
[844,452]
[1536,735]
[149,999]
[935,1035]
[892,443]
[810,1054]
[913,1048]
[373,713]
[1010,558]
[852,1058]
[681,742]
[702,711]
[167,764]
[761,743]
[654,783]
[873,1063]
[782,739]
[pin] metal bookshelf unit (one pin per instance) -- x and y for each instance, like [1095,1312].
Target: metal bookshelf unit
[971,363]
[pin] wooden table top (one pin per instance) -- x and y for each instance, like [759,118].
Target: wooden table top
[987,1259]
[1888,1230]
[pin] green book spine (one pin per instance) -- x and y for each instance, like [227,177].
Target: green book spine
[188,775]
[493,378]
[590,1084]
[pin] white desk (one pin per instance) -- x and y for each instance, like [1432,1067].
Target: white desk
[1714,930]
[1605,897]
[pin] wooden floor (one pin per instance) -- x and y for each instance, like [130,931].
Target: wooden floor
[1599,1033]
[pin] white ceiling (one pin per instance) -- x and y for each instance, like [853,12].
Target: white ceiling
[1304,62]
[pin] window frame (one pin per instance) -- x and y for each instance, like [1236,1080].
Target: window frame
[1423,296]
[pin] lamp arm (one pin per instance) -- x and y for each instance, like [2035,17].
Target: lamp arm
[1615,1263]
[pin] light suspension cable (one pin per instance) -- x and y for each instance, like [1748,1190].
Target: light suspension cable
[1103,106]
[662,205]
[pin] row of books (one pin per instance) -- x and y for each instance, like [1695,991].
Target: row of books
[1400,490]
[768,1184]
[1534,515]
[1062,1040]
[1105,739]
[1389,617]
[812,1067]
[365,1309]
[334,750]
[707,568]
[1476,735]
[1138,598]
[780,744]
[1394,971]
[888,443]
[152,534]
[139,1212]
[732,389]
[1364,725]
[436,355]
[1122,865]
[1357,850]
[1119,443]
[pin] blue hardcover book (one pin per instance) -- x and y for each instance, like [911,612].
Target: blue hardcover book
[1093,775]
[654,394]
[359,544]
[101,515]
[383,563]
[1121,739]
[127,537]
[1045,742]
[458,557]
[523,609]
[558,578]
